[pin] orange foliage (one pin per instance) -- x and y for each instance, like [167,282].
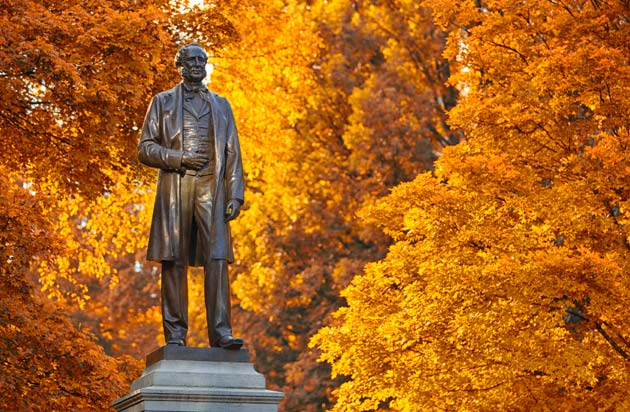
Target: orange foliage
[43,354]
[76,79]
[505,283]
[332,109]
[506,287]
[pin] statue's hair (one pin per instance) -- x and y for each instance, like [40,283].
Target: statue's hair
[180,52]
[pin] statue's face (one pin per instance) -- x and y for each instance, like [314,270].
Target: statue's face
[193,68]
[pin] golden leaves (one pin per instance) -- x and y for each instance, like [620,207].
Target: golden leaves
[507,260]
[77,79]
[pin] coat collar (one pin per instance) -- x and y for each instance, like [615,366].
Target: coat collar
[201,88]
[206,94]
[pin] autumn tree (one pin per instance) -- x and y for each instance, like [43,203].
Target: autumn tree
[506,287]
[335,102]
[76,80]
[47,363]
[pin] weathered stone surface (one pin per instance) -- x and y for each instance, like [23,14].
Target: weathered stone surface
[197,354]
[180,379]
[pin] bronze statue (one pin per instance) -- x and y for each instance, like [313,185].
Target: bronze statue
[189,134]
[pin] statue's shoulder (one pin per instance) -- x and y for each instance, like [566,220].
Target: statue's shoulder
[167,93]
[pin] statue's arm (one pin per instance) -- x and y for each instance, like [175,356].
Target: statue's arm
[150,150]
[234,179]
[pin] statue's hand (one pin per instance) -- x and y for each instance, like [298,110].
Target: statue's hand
[194,161]
[232,210]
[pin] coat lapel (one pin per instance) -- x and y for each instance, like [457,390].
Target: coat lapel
[173,117]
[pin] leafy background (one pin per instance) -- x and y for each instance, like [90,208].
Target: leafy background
[436,202]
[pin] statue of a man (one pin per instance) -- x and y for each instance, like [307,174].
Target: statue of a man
[189,134]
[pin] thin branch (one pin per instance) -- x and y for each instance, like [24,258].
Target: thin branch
[19,123]
[610,340]
[512,49]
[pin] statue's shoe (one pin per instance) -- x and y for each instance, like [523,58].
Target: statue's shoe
[229,342]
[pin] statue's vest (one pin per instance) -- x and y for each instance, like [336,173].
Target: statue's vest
[198,133]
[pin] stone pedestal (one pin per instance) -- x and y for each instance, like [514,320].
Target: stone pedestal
[184,379]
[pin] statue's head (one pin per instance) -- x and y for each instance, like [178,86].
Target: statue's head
[191,61]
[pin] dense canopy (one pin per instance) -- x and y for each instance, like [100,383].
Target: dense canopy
[436,202]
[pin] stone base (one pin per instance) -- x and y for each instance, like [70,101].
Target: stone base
[183,379]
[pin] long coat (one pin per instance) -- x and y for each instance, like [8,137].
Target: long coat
[160,146]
